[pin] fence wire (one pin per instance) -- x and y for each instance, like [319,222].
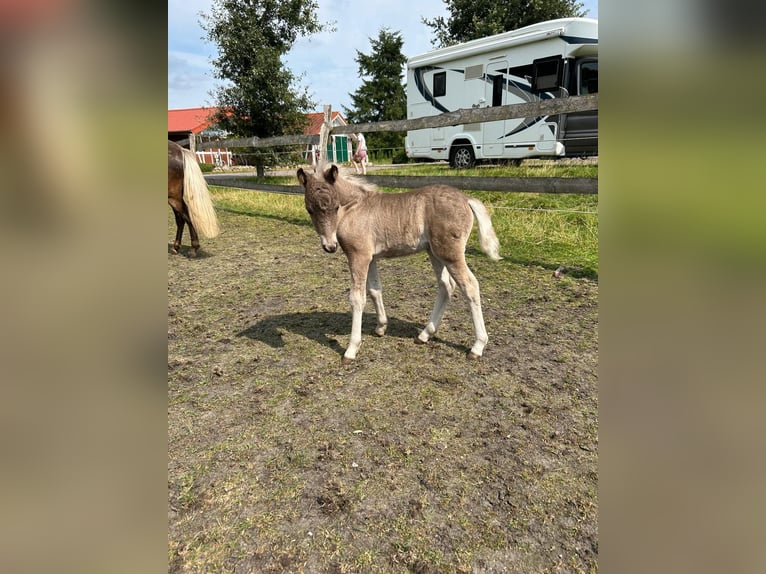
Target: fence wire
[542,209]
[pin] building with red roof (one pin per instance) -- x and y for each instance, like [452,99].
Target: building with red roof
[338,148]
[317,118]
[186,126]
[189,121]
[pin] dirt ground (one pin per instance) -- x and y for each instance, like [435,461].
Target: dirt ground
[413,459]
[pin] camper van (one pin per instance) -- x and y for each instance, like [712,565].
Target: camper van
[553,59]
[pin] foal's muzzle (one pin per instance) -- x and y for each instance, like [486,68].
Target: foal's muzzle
[329,242]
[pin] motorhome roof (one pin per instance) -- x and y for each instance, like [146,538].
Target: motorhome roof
[579,27]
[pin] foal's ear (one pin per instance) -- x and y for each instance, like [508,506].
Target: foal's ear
[302,176]
[331,174]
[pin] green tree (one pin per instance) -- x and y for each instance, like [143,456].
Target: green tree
[381,96]
[260,96]
[472,19]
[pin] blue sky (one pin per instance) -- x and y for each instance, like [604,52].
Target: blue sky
[325,61]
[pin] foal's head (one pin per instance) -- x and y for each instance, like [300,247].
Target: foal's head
[322,204]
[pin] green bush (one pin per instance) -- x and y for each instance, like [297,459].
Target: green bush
[206,167]
[400,156]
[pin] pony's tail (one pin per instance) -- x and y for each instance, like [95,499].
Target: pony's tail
[197,198]
[487,238]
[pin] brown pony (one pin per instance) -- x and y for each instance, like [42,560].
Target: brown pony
[369,225]
[189,197]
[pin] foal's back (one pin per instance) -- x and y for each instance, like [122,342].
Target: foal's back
[402,223]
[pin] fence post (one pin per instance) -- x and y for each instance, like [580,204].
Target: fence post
[324,132]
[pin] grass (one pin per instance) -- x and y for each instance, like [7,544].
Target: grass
[274,205]
[529,169]
[549,230]
[413,459]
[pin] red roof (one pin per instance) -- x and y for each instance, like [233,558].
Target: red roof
[316,119]
[196,120]
[192,120]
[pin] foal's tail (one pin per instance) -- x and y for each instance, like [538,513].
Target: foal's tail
[197,198]
[487,238]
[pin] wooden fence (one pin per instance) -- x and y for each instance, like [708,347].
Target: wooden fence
[463,116]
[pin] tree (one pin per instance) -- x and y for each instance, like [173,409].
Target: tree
[472,19]
[260,97]
[381,96]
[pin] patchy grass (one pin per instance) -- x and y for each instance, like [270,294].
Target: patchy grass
[547,230]
[536,168]
[411,460]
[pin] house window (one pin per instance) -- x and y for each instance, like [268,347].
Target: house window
[440,84]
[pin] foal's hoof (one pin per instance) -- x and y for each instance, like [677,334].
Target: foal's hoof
[473,356]
[419,342]
[345,361]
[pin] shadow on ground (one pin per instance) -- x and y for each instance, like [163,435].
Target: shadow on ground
[323,327]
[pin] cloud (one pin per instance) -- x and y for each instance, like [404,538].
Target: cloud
[190,80]
[327,60]
[324,63]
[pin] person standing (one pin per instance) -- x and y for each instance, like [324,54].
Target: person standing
[359,159]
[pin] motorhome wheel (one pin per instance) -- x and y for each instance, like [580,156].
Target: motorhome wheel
[462,157]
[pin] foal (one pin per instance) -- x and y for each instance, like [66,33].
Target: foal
[368,225]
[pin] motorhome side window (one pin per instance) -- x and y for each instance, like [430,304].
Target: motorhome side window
[546,74]
[589,77]
[440,84]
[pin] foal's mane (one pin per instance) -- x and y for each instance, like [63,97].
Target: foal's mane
[350,188]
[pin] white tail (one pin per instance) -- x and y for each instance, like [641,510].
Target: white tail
[487,238]
[197,198]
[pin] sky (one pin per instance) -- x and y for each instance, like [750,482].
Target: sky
[324,62]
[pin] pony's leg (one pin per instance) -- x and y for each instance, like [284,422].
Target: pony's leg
[446,287]
[179,231]
[470,288]
[375,290]
[358,297]
[194,236]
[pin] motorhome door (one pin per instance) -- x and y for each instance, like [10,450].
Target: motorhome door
[496,94]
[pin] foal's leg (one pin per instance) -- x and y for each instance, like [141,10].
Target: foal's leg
[470,288]
[375,290]
[358,265]
[446,287]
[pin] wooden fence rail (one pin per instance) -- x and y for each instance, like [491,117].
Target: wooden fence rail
[458,117]
[561,185]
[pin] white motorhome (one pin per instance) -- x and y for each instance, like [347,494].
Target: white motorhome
[557,58]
